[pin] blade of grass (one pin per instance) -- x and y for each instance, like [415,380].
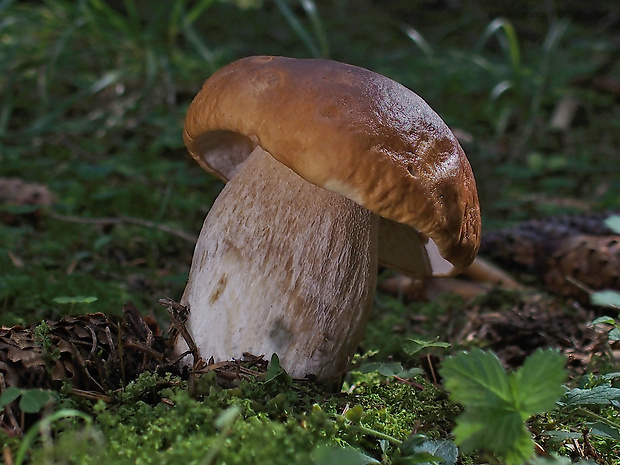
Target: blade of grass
[550,46]
[313,14]
[42,124]
[44,424]
[197,10]
[418,39]
[200,46]
[100,11]
[298,28]
[508,41]
[55,53]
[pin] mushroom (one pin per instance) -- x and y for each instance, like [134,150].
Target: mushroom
[331,169]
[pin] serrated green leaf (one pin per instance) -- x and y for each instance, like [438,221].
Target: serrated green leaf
[611,376]
[556,460]
[376,366]
[599,395]
[413,346]
[503,433]
[497,404]
[420,458]
[558,437]
[476,379]
[445,450]
[537,385]
[390,369]
[604,430]
[604,320]
[410,372]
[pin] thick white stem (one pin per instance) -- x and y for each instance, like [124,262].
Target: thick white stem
[282,266]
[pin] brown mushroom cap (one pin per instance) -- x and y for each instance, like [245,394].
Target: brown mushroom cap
[353,132]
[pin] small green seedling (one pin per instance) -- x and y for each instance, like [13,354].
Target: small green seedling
[609,299]
[497,404]
[389,369]
[275,372]
[414,346]
[31,400]
[72,300]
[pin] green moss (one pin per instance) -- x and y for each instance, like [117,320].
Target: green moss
[156,419]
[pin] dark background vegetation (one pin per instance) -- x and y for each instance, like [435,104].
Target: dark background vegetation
[94,93]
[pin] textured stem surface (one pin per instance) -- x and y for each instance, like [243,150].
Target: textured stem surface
[282,266]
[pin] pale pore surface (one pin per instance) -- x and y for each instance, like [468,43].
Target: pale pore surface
[282,266]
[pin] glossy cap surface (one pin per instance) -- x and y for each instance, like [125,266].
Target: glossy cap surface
[353,132]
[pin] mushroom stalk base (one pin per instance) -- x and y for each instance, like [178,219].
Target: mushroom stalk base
[282,266]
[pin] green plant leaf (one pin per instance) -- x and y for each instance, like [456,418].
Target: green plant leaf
[604,430]
[604,319]
[33,400]
[275,372]
[336,455]
[386,369]
[606,298]
[80,299]
[423,451]
[389,369]
[9,395]
[613,223]
[537,385]
[557,437]
[555,460]
[500,431]
[413,346]
[497,404]
[599,395]
[273,369]
[476,379]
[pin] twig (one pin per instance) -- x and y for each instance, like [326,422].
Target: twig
[145,349]
[8,411]
[90,395]
[123,220]
[178,313]
[8,457]
[580,285]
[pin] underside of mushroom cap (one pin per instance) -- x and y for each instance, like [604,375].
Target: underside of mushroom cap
[353,132]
